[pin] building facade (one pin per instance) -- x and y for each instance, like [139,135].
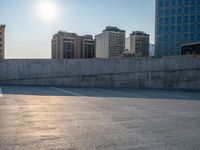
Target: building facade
[72,46]
[2,41]
[177,23]
[110,43]
[138,44]
[88,47]
[151,50]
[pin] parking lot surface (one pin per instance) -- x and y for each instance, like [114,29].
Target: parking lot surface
[64,118]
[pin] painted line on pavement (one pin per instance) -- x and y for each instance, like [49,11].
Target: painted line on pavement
[116,92]
[67,91]
[1,93]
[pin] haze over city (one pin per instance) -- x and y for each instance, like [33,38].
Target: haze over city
[31,24]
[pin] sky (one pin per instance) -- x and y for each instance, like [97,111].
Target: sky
[30,24]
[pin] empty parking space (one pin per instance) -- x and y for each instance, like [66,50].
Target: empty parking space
[98,118]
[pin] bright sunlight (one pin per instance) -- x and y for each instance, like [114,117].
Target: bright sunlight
[48,10]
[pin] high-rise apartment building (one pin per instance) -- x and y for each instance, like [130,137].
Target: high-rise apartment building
[138,44]
[110,43]
[72,46]
[2,41]
[177,23]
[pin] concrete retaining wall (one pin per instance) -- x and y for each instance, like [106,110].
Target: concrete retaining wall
[173,72]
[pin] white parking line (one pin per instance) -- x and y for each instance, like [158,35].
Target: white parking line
[1,93]
[67,91]
[111,91]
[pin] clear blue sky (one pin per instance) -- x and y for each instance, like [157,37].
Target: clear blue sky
[28,35]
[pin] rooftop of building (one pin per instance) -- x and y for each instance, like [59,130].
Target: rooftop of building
[139,33]
[88,36]
[64,32]
[73,34]
[115,29]
[2,25]
[191,44]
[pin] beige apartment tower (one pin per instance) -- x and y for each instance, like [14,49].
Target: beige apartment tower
[2,41]
[110,43]
[138,44]
[72,46]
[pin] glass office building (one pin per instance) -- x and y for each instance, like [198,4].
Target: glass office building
[177,23]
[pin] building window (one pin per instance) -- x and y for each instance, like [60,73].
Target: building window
[68,50]
[192,19]
[179,2]
[160,12]
[185,28]
[198,36]
[166,20]
[171,46]
[173,20]
[172,28]
[192,10]
[198,28]
[166,37]
[185,37]
[179,37]
[160,29]
[192,37]
[192,28]
[160,20]
[198,19]
[173,3]
[160,3]
[186,10]
[192,2]
[173,11]
[179,29]
[198,8]
[179,19]
[179,11]
[186,2]
[160,38]
[186,19]
[172,37]
[166,29]
[167,3]
[166,11]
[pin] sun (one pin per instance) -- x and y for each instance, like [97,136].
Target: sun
[47,10]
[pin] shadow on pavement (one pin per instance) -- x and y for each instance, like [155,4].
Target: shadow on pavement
[103,92]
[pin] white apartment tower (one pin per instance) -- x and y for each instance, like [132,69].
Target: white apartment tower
[138,44]
[110,43]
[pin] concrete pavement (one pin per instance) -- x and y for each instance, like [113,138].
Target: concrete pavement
[1,95]
[64,118]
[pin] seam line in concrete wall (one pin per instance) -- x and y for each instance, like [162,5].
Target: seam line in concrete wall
[50,77]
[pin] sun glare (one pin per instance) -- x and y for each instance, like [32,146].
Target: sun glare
[47,10]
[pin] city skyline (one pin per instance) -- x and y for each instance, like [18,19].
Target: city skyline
[29,28]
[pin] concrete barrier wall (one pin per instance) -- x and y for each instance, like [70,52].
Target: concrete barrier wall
[171,72]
